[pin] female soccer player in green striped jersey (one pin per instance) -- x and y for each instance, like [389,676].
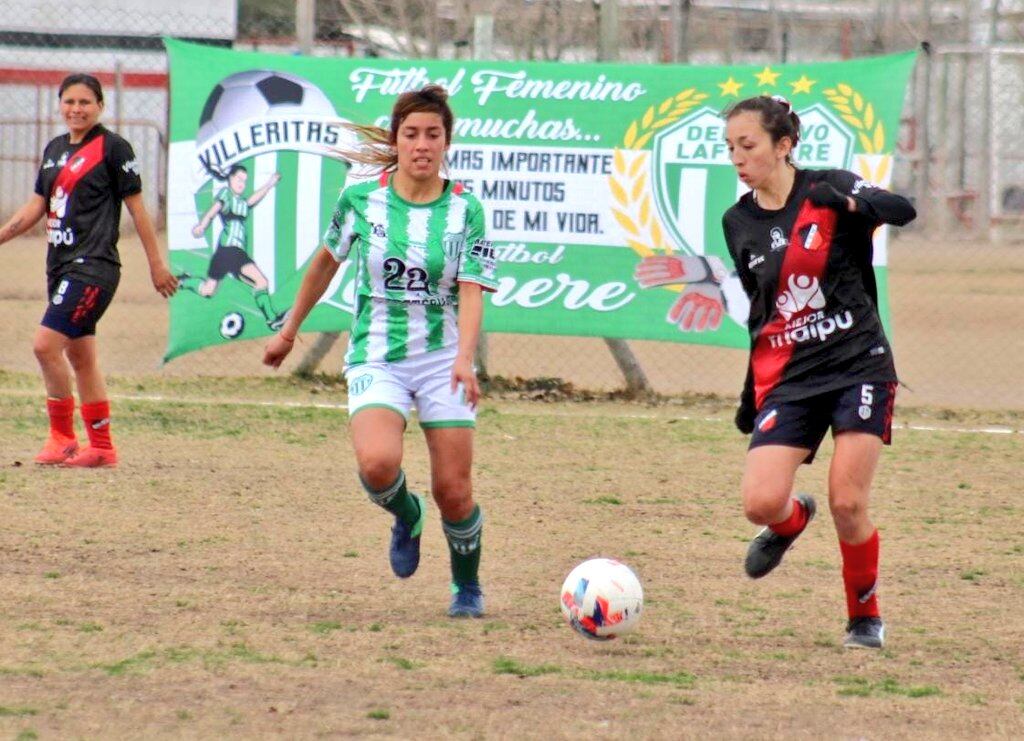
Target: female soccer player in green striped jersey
[422,262]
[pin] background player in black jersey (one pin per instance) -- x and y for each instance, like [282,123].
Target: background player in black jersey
[801,241]
[83,179]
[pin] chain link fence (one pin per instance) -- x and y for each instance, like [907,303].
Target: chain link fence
[954,276]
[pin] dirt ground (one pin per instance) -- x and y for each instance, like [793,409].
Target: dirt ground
[230,581]
[957,327]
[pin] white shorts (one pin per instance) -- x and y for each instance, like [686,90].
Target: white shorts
[424,381]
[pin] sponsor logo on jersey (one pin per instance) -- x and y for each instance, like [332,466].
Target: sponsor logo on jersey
[76,164]
[755,261]
[768,420]
[804,292]
[779,240]
[378,230]
[58,202]
[876,351]
[814,326]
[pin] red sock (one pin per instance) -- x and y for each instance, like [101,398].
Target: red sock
[860,575]
[793,524]
[97,424]
[62,416]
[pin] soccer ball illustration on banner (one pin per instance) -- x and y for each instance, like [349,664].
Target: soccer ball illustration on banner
[602,598]
[232,325]
[258,93]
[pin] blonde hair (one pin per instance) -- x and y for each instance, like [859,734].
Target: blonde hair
[377,145]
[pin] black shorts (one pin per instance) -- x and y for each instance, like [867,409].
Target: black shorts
[75,306]
[863,407]
[228,260]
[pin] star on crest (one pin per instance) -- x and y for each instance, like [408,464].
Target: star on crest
[767,78]
[730,87]
[803,85]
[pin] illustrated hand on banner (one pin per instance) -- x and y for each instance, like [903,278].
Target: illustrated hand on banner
[702,304]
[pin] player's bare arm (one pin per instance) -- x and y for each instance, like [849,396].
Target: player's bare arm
[24,218]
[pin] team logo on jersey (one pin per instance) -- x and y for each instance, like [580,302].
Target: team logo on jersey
[804,292]
[810,238]
[861,185]
[378,230]
[58,202]
[452,245]
[359,384]
[768,421]
[779,240]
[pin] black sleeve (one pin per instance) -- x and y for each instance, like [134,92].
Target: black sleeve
[124,168]
[730,243]
[40,187]
[873,203]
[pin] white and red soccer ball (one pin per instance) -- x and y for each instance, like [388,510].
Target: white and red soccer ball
[602,599]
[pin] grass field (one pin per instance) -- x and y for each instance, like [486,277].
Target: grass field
[230,580]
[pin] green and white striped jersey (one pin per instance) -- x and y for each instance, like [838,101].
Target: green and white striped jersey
[233,211]
[409,260]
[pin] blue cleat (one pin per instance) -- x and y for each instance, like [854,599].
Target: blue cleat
[405,543]
[467,601]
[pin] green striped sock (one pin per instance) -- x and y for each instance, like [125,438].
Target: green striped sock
[396,499]
[464,546]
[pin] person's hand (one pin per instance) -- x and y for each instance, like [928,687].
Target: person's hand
[699,308]
[277,350]
[826,195]
[463,372]
[197,231]
[662,270]
[164,283]
[746,414]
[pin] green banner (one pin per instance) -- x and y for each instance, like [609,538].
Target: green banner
[584,170]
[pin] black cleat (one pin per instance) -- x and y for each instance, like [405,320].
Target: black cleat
[865,632]
[767,548]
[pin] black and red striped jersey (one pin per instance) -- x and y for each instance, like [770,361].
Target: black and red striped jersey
[83,185]
[814,322]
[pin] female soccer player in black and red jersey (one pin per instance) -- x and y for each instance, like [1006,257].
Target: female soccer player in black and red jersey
[84,176]
[802,244]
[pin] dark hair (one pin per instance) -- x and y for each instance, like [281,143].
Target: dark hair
[217,173]
[777,117]
[80,78]
[378,145]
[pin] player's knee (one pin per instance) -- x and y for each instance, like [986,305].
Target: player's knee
[379,472]
[454,497]
[46,353]
[80,360]
[763,504]
[847,510]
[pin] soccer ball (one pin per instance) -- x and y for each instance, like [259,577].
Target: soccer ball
[602,599]
[257,93]
[232,325]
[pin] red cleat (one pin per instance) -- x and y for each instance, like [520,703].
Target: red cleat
[56,450]
[90,457]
